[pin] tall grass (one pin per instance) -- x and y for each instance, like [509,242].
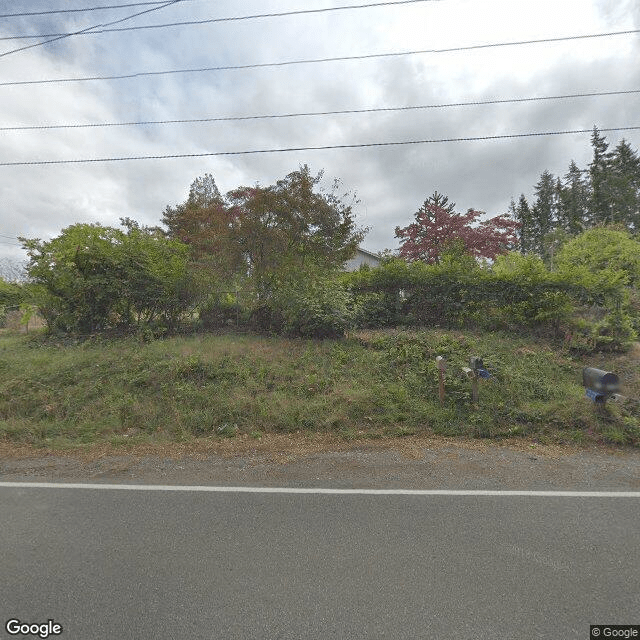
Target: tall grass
[369,385]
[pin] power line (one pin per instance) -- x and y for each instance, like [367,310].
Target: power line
[10,237]
[83,10]
[76,33]
[320,113]
[279,14]
[318,148]
[285,63]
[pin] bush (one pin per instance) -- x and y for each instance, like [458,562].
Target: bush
[221,311]
[92,278]
[380,309]
[306,309]
[615,332]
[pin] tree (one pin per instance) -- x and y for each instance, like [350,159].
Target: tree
[603,249]
[624,185]
[523,216]
[11,293]
[435,229]
[600,210]
[573,201]
[263,234]
[204,223]
[92,277]
[543,212]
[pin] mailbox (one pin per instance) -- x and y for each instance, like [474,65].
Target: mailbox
[599,384]
[477,367]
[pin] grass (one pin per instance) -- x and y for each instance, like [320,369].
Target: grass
[375,384]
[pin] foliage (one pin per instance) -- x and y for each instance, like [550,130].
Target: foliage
[606,192]
[220,310]
[256,236]
[92,277]
[308,308]
[11,293]
[518,291]
[206,225]
[602,248]
[436,227]
[61,392]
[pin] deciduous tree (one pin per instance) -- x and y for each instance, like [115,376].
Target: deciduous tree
[436,228]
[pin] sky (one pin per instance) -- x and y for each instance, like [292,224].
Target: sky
[389,183]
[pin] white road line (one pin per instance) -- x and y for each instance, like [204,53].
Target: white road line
[321,491]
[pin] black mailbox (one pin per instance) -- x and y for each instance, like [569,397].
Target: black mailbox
[601,383]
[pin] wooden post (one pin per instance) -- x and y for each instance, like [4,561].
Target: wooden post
[472,374]
[474,389]
[441,363]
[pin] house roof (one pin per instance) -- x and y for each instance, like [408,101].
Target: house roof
[369,253]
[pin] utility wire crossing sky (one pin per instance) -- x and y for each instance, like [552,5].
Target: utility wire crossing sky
[369,92]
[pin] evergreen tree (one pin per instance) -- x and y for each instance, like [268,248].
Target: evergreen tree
[544,211]
[573,201]
[522,214]
[625,186]
[441,201]
[599,172]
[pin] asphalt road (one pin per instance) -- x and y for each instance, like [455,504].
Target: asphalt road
[206,565]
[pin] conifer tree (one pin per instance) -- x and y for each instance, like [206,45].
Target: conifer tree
[599,173]
[544,211]
[624,185]
[521,212]
[573,200]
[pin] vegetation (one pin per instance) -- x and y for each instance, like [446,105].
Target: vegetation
[64,392]
[266,262]
[437,226]
[607,192]
[257,238]
[91,278]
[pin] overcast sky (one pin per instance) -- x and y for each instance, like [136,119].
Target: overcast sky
[391,182]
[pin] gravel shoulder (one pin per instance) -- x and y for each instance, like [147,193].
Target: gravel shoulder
[301,460]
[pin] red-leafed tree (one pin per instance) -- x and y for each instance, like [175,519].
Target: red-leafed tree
[437,227]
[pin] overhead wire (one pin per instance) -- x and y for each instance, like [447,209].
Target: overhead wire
[255,16]
[82,10]
[369,56]
[319,113]
[314,148]
[81,31]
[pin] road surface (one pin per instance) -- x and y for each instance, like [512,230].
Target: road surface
[186,564]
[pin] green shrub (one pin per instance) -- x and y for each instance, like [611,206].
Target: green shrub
[307,309]
[220,311]
[91,278]
[615,332]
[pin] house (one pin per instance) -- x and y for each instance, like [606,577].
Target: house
[362,257]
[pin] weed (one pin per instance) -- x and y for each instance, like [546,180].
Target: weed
[373,384]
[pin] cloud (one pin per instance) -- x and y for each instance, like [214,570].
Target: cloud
[391,182]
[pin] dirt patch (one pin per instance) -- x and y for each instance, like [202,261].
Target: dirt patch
[284,447]
[329,461]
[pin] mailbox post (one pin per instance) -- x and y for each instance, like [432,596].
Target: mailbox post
[474,371]
[441,363]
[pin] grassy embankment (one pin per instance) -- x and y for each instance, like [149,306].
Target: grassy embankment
[371,385]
